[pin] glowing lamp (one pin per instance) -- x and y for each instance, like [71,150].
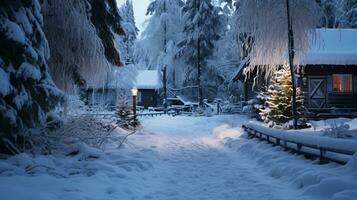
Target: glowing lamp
[134,92]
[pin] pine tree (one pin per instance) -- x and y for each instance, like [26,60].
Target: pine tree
[123,110]
[225,61]
[329,12]
[104,15]
[348,18]
[278,104]
[27,92]
[157,45]
[201,31]
[130,29]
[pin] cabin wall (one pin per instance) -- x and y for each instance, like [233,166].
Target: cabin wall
[148,98]
[355,84]
[316,83]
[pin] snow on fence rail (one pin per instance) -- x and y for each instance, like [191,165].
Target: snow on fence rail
[327,149]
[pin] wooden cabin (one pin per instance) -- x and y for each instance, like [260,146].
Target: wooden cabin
[149,83]
[327,74]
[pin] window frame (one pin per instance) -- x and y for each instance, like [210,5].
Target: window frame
[342,92]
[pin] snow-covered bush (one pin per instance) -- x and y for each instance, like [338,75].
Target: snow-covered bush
[27,92]
[249,108]
[338,130]
[77,131]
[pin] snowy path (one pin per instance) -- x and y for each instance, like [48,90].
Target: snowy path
[178,158]
[193,164]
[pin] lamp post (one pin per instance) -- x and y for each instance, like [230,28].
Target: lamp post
[134,93]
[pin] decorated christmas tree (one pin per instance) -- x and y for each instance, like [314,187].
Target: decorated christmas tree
[278,105]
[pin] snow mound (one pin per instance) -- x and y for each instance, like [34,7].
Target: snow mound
[353,162]
[329,181]
[226,131]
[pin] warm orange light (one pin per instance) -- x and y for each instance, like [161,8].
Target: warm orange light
[134,92]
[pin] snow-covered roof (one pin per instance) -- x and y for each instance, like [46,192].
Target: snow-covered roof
[333,47]
[148,79]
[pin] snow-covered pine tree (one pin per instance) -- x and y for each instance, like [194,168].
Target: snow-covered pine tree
[130,29]
[201,30]
[104,14]
[157,46]
[329,11]
[124,112]
[348,17]
[27,92]
[278,104]
[225,61]
[124,77]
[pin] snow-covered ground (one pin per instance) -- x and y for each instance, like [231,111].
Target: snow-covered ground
[178,158]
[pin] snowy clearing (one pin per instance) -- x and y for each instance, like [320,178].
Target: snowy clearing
[178,158]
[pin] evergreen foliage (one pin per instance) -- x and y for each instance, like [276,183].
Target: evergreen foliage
[277,109]
[130,29]
[338,13]
[27,92]
[163,31]
[105,17]
[348,18]
[201,30]
[124,112]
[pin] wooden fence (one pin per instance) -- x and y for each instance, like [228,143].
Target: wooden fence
[323,151]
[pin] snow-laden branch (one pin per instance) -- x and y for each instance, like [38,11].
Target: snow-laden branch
[265,21]
[77,52]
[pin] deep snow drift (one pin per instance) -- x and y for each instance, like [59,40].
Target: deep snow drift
[178,158]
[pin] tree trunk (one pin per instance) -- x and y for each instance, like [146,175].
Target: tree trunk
[164,69]
[165,89]
[200,100]
[291,63]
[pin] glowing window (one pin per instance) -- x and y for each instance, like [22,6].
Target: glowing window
[342,82]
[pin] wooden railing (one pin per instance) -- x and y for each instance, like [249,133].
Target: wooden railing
[338,153]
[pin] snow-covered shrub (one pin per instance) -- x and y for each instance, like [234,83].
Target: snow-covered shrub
[338,130]
[251,108]
[27,92]
[199,111]
[208,111]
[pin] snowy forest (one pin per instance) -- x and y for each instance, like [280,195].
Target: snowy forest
[106,107]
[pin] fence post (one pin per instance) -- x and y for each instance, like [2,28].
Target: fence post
[299,148]
[323,160]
